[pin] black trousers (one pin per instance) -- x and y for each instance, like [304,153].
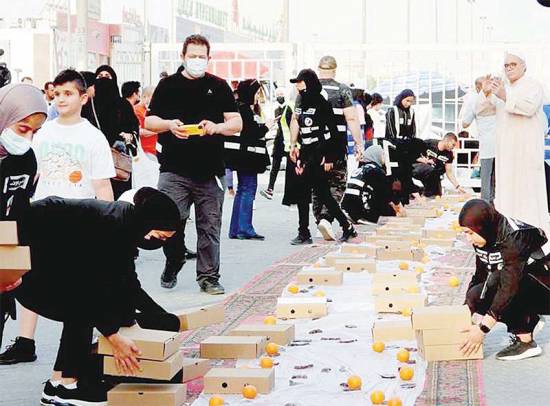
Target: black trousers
[278,154]
[316,179]
[531,300]
[430,178]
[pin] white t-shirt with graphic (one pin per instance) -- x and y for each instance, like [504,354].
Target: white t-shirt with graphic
[69,158]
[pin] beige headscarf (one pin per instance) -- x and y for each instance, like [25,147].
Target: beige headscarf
[18,101]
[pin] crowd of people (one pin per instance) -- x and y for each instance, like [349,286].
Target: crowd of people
[70,148]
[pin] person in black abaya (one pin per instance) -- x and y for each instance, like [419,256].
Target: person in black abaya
[116,119]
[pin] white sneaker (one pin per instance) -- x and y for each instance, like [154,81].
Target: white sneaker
[540,325]
[325,228]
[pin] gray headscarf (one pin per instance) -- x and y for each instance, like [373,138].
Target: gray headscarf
[375,154]
[18,101]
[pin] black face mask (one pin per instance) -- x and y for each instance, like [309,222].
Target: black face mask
[151,244]
[281,100]
[302,92]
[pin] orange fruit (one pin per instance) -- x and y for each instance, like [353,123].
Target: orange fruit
[404,266]
[272,349]
[406,373]
[377,397]
[250,391]
[216,401]
[426,259]
[320,293]
[270,320]
[317,265]
[378,346]
[406,312]
[354,382]
[419,269]
[454,282]
[413,289]
[437,197]
[293,289]
[394,402]
[266,362]
[403,355]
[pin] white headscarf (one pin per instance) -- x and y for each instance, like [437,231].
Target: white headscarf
[517,53]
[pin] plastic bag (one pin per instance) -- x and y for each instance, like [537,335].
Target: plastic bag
[145,171]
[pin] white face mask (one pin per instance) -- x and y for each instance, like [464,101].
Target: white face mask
[14,143]
[196,67]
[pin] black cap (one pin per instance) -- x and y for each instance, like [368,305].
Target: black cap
[303,75]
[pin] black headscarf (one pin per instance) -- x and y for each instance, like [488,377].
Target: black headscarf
[246,90]
[403,95]
[312,93]
[482,218]
[109,69]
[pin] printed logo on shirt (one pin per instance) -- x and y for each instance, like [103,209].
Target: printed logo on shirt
[490,258]
[311,110]
[61,163]
[308,122]
[441,158]
[209,92]
[13,183]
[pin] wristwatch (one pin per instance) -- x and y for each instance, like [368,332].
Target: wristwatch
[484,328]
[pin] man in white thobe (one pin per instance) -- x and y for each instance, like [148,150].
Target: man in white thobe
[519,158]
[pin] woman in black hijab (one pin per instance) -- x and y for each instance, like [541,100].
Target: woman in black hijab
[512,279]
[252,160]
[314,126]
[116,119]
[83,275]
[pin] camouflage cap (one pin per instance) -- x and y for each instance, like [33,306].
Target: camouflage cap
[327,62]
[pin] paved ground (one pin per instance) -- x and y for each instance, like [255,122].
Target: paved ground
[514,383]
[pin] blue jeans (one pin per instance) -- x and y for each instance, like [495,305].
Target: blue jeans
[241,218]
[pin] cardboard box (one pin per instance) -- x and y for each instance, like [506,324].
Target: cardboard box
[281,334]
[233,347]
[196,317]
[147,395]
[373,238]
[402,232]
[301,308]
[450,352]
[441,317]
[412,254]
[366,249]
[396,303]
[154,344]
[397,244]
[400,227]
[14,263]
[441,336]
[356,265]
[393,220]
[393,287]
[440,233]
[417,219]
[232,380]
[394,276]
[392,330]
[8,233]
[445,243]
[159,370]
[320,276]
[194,368]
[426,212]
[331,258]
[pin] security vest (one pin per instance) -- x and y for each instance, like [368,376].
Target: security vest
[401,120]
[333,96]
[357,186]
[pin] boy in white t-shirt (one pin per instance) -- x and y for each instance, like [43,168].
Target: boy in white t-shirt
[74,158]
[74,161]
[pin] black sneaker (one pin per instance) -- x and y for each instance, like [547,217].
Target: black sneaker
[169,277]
[190,254]
[268,194]
[48,394]
[82,395]
[22,350]
[519,350]
[348,233]
[301,240]
[212,288]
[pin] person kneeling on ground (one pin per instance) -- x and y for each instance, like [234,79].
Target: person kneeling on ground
[83,275]
[369,191]
[511,283]
[437,161]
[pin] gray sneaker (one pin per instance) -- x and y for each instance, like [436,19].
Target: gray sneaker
[519,350]
[212,288]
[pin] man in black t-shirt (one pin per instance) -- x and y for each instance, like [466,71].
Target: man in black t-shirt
[436,161]
[192,166]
